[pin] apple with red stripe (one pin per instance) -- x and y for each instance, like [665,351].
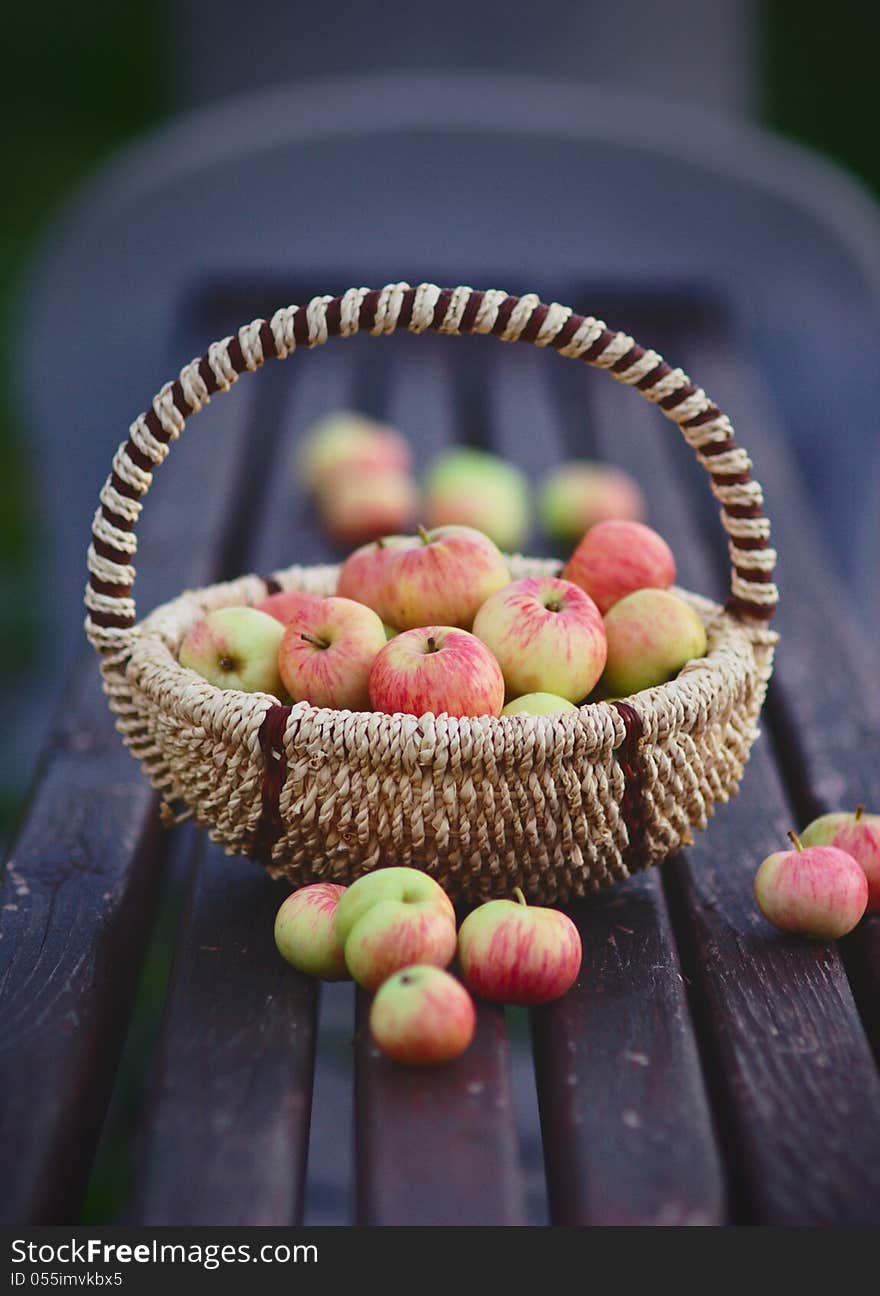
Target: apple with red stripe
[305,931]
[422,1016]
[615,558]
[436,669]
[515,953]
[859,835]
[327,652]
[391,918]
[817,891]
[547,636]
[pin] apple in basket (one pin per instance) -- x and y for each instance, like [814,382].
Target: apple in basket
[515,953]
[615,558]
[439,577]
[391,918]
[547,636]
[651,634]
[818,891]
[469,487]
[439,669]
[305,931]
[579,494]
[364,573]
[327,651]
[537,704]
[235,648]
[286,605]
[859,835]
[422,1016]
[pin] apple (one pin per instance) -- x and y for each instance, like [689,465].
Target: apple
[546,635]
[363,575]
[326,654]
[473,488]
[286,605]
[818,891]
[859,835]
[651,634]
[516,953]
[537,704]
[422,1016]
[363,503]
[347,439]
[235,648]
[616,558]
[305,931]
[392,917]
[439,669]
[577,495]
[440,577]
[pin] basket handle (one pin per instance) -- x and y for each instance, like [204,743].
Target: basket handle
[110,623]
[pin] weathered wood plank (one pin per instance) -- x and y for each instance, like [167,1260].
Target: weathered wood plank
[83,873]
[787,1062]
[624,1115]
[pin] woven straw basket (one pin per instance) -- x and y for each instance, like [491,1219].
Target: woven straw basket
[558,805]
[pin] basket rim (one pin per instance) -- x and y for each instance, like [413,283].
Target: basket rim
[160,632]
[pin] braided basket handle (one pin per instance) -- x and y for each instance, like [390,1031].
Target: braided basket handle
[110,623]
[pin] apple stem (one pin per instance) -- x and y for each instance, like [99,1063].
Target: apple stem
[313,639]
[798,844]
[432,644]
[422,534]
[380,543]
[860,810]
[517,891]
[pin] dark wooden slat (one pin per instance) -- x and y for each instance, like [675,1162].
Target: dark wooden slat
[824,698]
[788,1064]
[83,873]
[233,1073]
[625,1122]
[439,1145]
[240,1063]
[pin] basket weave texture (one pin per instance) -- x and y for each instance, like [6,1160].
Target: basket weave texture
[558,805]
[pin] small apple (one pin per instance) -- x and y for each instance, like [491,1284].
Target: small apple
[364,503]
[473,488]
[235,648]
[440,577]
[392,917]
[422,1016]
[439,669]
[516,953]
[347,439]
[818,891]
[651,634]
[547,636]
[859,835]
[305,931]
[363,576]
[538,704]
[286,605]
[577,495]
[616,558]
[326,654]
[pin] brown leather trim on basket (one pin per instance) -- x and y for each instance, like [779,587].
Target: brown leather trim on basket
[633,807]
[271,740]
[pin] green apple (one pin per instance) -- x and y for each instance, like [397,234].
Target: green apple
[305,931]
[391,918]
[473,488]
[236,648]
[537,704]
[651,634]
[346,439]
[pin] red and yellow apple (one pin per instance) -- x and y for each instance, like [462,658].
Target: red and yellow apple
[616,558]
[469,487]
[440,577]
[515,953]
[327,652]
[436,668]
[363,576]
[235,648]
[391,918]
[286,605]
[364,503]
[546,635]
[422,1016]
[577,495]
[650,635]
[344,440]
[859,835]
[305,931]
[817,891]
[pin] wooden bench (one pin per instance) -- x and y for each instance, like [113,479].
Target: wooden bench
[705,1069]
